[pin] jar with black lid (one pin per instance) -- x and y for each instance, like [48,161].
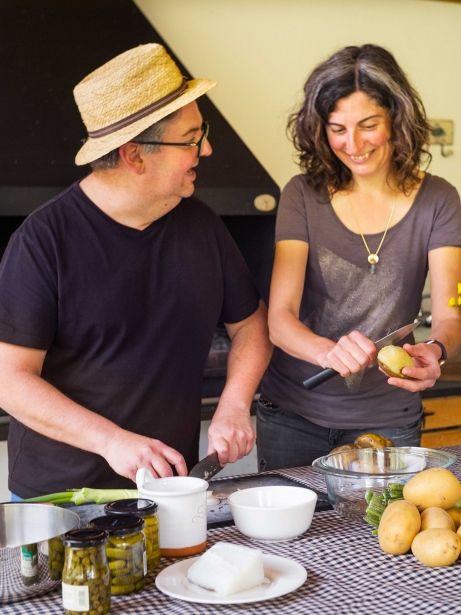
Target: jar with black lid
[126,551]
[147,510]
[85,576]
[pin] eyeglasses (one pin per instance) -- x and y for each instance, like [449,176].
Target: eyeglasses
[198,144]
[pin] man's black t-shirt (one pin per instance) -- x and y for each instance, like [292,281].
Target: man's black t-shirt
[126,318]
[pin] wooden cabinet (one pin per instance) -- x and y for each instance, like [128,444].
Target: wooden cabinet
[442,423]
[442,408]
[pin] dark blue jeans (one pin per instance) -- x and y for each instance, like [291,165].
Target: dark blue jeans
[286,440]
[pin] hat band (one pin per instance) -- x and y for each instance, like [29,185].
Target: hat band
[134,117]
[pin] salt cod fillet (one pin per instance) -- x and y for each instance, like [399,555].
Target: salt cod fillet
[228,569]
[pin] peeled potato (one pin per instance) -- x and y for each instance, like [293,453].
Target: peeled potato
[436,547]
[392,359]
[344,448]
[436,517]
[372,440]
[433,487]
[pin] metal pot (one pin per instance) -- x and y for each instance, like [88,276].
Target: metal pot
[29,524]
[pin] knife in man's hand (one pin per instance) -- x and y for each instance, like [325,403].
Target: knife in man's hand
[206,467]
[395,336]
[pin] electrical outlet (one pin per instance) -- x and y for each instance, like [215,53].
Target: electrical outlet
[441,132]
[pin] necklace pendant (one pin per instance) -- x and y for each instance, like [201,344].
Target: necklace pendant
[373,259]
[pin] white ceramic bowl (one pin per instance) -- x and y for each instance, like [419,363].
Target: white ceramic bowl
[273,512]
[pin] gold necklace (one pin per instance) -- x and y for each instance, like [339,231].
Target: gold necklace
[373,257]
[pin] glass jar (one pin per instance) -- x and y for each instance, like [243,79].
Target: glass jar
[55,557]
[147,510]
[29,564]
[85,576]
[126,551]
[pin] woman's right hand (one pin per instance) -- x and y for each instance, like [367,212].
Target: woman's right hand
[351,354]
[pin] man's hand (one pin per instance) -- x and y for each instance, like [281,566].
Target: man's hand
[231,432]
[231,435]
[126,452]
[425,372]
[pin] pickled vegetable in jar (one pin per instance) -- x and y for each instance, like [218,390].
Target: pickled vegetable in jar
[147,510]
[55,557]
[85,576]
[126,551]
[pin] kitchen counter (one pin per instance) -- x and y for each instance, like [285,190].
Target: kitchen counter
[347,573]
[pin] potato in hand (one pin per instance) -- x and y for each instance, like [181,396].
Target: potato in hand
[392,359]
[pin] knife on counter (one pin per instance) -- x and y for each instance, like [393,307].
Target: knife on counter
[395,336]
[207,467]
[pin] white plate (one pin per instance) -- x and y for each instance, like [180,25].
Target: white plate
[282,576]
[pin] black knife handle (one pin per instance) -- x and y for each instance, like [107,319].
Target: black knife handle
[323,376]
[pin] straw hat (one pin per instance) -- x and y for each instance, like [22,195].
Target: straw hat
[128,94]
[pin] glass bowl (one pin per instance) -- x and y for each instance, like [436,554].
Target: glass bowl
[350,474]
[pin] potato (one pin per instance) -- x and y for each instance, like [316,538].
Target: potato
[400,522]
[455,514]
[372,440]
[436,517]
[433,487]
[436,547]
[344,448]
[392,359]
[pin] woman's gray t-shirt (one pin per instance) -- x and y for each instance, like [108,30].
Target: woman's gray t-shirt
[341,294]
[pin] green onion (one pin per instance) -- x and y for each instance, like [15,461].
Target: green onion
[85,495]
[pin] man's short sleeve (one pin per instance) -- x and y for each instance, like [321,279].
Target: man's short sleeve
[28,309]
[240,295]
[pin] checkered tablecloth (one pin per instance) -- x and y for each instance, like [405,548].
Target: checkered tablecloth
[347,573]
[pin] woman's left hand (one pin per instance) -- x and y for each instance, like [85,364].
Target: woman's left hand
[425,372]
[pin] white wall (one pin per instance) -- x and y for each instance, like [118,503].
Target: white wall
[260,52]
[4,493]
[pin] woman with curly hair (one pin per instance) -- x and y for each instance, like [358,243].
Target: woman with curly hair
[357,232]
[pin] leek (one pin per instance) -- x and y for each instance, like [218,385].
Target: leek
[377,502]
[85,495]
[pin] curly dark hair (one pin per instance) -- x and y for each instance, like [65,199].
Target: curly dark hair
[373,70]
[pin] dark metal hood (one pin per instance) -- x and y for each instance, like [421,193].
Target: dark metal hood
[47,48]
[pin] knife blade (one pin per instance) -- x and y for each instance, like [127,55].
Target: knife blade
[395,336]
[206,467]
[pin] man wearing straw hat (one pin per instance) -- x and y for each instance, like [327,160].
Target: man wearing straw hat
[110,294]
